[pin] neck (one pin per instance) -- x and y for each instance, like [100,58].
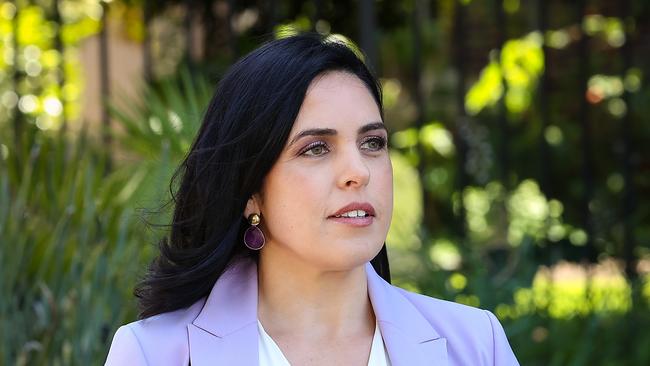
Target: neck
[296,298]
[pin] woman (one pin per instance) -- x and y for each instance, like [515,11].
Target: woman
[276,254]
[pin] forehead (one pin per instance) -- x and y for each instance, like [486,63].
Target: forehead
[337,99]
[333,82]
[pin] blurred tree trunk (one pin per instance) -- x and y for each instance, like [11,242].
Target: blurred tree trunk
[462,179]
[629,194]
[368,33]
[589,252]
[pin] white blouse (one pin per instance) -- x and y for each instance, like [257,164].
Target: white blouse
[271,355]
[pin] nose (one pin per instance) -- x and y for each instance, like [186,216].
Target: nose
[354,170]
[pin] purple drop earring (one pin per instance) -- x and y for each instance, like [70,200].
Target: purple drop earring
[254,237]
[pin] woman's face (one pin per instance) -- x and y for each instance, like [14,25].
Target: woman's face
[335,156]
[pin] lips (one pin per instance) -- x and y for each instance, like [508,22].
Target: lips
[365,206]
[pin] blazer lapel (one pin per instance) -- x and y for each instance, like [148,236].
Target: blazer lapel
[225,331]
[409,338]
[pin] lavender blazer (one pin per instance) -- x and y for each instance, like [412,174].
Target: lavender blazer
[222,329]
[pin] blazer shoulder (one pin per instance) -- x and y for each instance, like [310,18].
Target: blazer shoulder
[428,305]
[467,329]
[157,340]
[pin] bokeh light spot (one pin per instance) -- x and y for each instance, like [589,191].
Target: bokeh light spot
[557,39]
[32,52]
[8,10]
[437,137]
[615,182]
[511,6]
[391,90]
[633,80]
[52,106]
[553,135]
[405,138]
[28,103]
[617,107]
[33,68]
[578,237]
[445,254]
[9,99]
[457,281]
[4,151]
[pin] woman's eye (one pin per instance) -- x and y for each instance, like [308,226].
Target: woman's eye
[315,149]
[375,143]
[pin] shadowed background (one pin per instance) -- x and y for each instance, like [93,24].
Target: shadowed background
[519,138]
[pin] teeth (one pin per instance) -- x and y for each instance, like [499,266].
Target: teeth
[354,213]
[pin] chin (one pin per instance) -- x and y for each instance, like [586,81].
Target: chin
[346,257]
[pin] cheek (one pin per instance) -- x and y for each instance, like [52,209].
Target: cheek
[293,200]
[384,185]
[387,176]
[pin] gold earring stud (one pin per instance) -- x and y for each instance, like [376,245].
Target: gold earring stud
[254,219]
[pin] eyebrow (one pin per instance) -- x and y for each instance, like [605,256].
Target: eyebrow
[331,132]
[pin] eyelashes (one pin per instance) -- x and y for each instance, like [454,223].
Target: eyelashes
[314,146]
[317,147]
[379,140]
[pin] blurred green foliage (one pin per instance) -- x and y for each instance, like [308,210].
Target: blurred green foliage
[79,219]
[72,233]
[67,248]
[39,69]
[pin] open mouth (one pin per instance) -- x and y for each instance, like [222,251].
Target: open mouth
[354,214]
[353,219]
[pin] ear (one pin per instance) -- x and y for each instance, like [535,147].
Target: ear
[253,206]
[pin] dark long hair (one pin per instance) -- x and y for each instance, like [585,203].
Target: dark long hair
[243,132]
